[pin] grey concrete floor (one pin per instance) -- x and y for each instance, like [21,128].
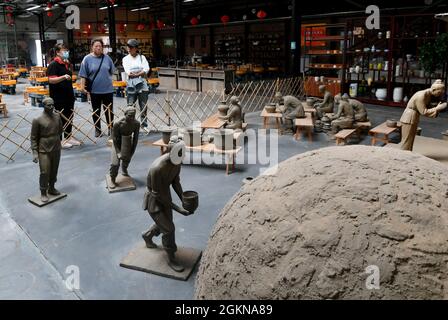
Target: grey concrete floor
[94,230]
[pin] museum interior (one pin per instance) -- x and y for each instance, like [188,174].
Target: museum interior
[154,149]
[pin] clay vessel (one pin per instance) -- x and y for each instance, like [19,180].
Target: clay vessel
[391,123]
[270,108]
[190,201]
[166,134]
[223,108]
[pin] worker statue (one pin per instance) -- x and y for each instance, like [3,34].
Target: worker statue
[124,142]
[419,104]
[344,118]
[234,117]
[290,107]
[358,107]
[326,105]
[46,131]
[163,173]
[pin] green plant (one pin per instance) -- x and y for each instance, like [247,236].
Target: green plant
[433,54]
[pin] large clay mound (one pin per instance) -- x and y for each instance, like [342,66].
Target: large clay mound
[310,230]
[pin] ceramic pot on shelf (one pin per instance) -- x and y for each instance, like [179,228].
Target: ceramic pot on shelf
[381,94]
[398,94]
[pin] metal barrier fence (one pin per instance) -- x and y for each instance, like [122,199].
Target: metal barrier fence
[178,108]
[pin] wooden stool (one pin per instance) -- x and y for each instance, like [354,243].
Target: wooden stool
[343,135]
[305,123]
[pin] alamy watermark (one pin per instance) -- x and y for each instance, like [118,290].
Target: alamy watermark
[72,282]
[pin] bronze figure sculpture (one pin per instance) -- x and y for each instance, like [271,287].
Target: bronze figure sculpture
[124,142]
[344,117]
[234,117]
[419,105]
[291,108]
[46,131]
[163,173]
[326,105]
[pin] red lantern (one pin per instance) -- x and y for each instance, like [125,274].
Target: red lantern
[49,5]
[160,24]
[121,28]
[261,14]
[111,2]
[9,15]
[9,8]
[225,19]
[194,21]
[140,27]
[49,13]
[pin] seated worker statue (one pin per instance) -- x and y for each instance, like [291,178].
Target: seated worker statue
[358,108]
[291,108]
[344,117]
[234,117]
[326,105]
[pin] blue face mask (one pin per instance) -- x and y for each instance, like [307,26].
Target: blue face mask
[65,55]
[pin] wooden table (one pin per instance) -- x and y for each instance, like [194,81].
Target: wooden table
[304,123]
[274,115]
[213,122]
[383,129]
[208,148]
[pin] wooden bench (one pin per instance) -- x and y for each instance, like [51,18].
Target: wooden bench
[303,124]
[277,116]
[213,122]
[343,135]
[208,148]
[384,130]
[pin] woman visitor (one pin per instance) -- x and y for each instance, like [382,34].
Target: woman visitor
[96,73]
[61,91]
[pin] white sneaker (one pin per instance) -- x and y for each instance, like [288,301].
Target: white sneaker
[74,142]
[66,145]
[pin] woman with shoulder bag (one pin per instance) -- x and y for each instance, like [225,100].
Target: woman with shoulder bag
[96,73]
[136,68]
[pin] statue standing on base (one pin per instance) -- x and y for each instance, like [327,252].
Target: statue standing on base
[124,142]
[418,105]
[234,116]
[163,173]
[46,131]
[291,108]
[326,105]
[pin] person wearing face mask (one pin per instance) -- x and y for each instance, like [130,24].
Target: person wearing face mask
[61,91]
[97,69]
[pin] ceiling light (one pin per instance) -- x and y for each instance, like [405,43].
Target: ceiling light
[140,9]
[33,8]
[104,8]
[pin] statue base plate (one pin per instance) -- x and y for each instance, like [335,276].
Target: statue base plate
[123,184]
[37,202]
[154,261]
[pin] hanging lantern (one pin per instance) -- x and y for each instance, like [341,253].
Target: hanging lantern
[140,27]
[160,24]
[225,19]
[49,5]
[194,21]
[9,8]
[121,28]
[49,13]
[261,14]
[111,2]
